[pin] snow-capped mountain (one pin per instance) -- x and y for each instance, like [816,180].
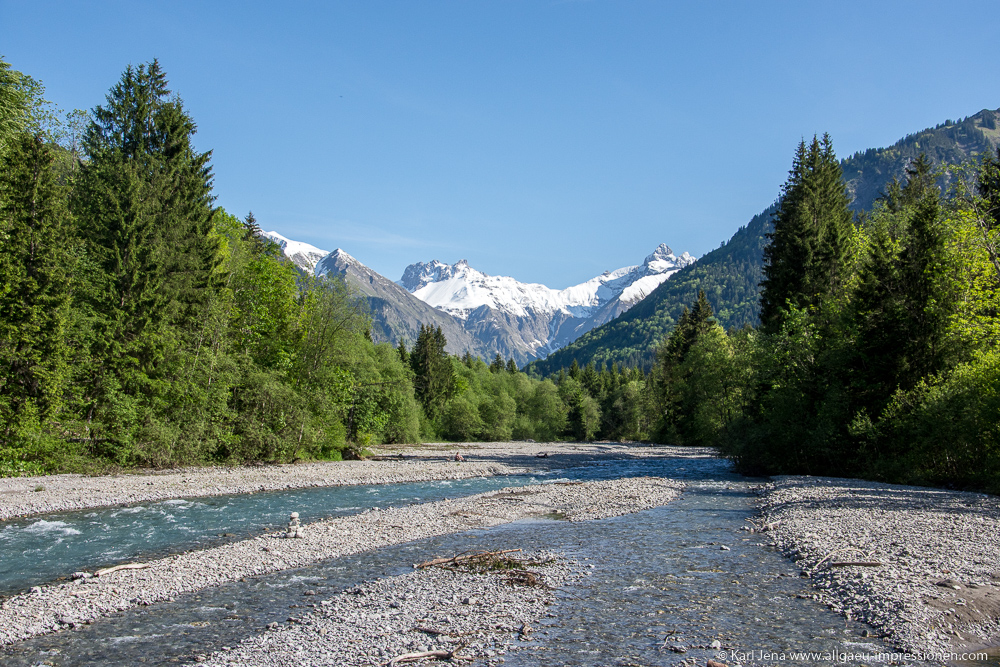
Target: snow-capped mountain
[548,318]
[303,255]
[485,314]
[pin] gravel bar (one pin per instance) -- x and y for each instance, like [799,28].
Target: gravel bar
[477,615]
[920,565]
[56,607]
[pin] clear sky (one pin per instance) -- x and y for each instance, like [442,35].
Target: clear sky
[546,140]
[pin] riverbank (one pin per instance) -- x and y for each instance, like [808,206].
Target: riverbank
[920,565]
[62,606]
[23,496]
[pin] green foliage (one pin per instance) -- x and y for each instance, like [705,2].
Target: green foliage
[434,376]
[804,260]
[151,328]
[945,431]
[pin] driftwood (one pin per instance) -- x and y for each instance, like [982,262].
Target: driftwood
[125,566]
[437,655]
[833,553]
[462,557]
[873,563]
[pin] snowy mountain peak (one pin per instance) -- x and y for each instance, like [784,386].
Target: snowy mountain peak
[303,255]
[335,262]
[459,289]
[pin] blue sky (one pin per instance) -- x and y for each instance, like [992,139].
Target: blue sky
[548,141]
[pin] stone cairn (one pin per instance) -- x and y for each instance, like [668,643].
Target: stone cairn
[294,527]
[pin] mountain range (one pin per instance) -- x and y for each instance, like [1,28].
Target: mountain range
[483,314]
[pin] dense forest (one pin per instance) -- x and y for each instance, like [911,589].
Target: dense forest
[142,325]
[731,274]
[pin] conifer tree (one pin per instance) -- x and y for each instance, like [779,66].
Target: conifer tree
[806,252]
[901,305]
[512,366]
[433,380]
[497,365]
[34,290]
[144,206]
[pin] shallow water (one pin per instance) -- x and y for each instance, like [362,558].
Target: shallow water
[660,579]
[42,548]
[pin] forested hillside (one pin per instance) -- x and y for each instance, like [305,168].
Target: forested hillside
[730,275]
[142,325]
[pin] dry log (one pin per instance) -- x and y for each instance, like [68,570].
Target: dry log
[125,566]
[437,655]
[462,557]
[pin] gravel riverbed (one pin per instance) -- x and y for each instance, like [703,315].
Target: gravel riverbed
[61,606]
[479,615]
[920,565]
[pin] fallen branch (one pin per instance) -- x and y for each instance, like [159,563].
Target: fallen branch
[857,563]
[125,566]
[832,554]
[437,655]
[462,557]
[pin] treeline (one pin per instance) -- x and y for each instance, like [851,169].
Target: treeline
[140,325]
[464,399]
[877,352]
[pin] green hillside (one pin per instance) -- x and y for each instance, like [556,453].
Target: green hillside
[730,274]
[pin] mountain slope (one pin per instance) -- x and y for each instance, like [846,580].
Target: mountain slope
[303,255]
[730,275]
[396,314]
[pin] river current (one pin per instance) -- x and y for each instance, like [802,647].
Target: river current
[665,582]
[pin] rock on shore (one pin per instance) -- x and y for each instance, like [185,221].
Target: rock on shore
[52,608]
[927,572]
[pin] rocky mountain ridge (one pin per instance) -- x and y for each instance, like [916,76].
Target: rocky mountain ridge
[483,314]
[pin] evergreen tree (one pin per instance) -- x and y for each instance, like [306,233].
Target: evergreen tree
[497,365]
[144,206]
[34,290]
[670,412]
[806,252]
[433,380]
[512,366]
[902,303]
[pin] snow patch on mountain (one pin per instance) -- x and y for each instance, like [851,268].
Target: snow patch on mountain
[303,255]
[459,289]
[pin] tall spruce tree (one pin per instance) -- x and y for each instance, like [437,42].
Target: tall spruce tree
[902,303]
[433,380]
[144,206]
[803,260]
[34,289]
